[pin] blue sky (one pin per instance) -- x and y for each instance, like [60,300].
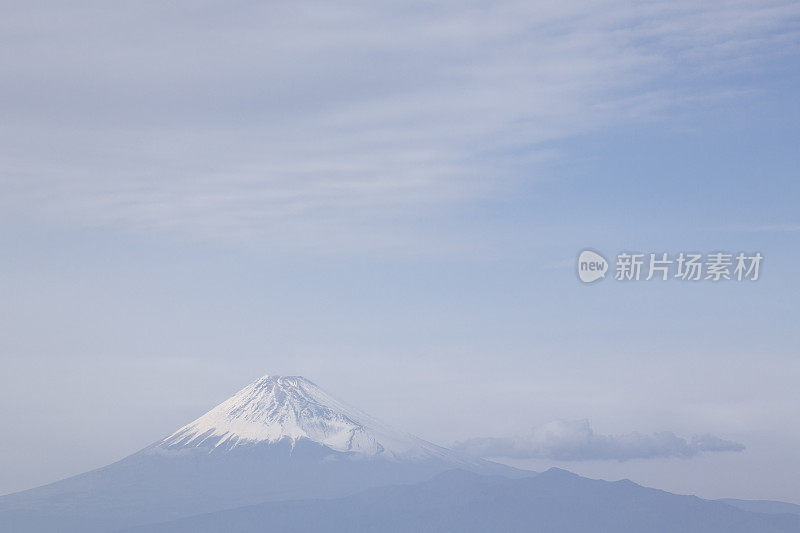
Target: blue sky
[389,198]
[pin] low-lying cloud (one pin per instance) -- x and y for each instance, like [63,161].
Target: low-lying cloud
[574,440]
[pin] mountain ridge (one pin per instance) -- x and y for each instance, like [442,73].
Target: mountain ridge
[555,501]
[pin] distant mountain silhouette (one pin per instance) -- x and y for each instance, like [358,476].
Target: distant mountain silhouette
[283,455]
[555,501]
[278,438]
[763,506]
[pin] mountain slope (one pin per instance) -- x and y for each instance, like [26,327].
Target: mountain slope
[275,408]
[278,438]
[552,502]
[763,506]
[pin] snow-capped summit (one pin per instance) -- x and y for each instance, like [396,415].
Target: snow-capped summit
[274,408]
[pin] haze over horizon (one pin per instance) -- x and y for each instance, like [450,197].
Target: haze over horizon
[389,200]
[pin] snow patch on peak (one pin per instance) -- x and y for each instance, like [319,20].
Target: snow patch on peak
[274,408]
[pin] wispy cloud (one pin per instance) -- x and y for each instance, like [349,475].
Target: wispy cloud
[272,122]
[563,440]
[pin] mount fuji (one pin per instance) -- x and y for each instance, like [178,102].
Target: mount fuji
[279,438]
[275,408]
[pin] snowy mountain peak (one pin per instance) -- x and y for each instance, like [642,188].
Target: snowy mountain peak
[274,408]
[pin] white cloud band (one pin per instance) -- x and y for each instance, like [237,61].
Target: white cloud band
[563,440]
